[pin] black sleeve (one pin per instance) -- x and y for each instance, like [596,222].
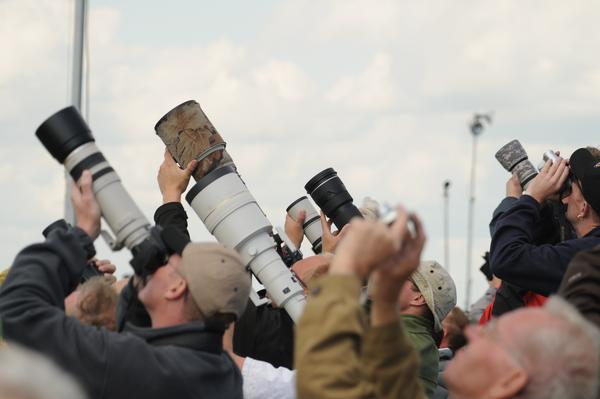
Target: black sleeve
[502,207]
[265,333]
[32,307]
[130,309]
[172,214]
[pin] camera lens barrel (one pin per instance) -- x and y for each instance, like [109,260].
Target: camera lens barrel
[232,215]
[514,159]
[68,139]
[312,222]
[330,194]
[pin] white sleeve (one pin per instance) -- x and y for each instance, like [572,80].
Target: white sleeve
[263,381]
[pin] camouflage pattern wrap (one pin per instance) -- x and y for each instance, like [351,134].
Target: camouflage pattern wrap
[188,135]
[513,158]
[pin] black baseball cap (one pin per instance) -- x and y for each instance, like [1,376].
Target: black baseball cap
[587,170]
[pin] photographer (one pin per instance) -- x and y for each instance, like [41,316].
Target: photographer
[338,354]
[190,300]
[264,333]
[514,256]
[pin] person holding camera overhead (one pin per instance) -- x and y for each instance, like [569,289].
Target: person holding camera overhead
[540,268]
[197,290]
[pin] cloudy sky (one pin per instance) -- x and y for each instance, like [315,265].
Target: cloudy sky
[380,90]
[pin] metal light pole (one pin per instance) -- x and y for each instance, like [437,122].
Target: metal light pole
[476,127]
[447,225]
[76,88]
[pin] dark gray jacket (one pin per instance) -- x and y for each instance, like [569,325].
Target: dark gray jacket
[185,361]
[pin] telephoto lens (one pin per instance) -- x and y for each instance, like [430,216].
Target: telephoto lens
[225,205]
[513,158]
[69,140]
[330,194]
[312,222]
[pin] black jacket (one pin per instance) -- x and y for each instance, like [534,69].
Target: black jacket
[185,361]
[515,258]
[264,333]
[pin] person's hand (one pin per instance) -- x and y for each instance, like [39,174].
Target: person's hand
[293,228]
[549,181]
[513,187]
[87,210]
[107,269]
[367,244]
[173,180]
[330,240]
[390,275]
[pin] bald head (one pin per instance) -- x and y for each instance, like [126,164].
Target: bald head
[311,267]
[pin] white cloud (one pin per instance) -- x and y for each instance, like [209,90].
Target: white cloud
[372,88]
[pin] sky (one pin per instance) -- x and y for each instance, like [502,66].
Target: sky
[382,91]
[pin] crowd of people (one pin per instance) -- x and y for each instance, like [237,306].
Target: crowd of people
[379,321]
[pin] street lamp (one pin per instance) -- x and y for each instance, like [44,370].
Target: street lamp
[476,127]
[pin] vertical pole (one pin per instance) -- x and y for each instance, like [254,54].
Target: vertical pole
[470,224]
[447,225]
[76,89]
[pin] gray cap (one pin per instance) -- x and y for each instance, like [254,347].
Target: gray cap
[438,289]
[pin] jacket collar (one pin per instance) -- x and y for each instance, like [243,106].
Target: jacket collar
[195,335]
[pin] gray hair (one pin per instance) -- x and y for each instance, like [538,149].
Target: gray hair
[27,374]
[562,360]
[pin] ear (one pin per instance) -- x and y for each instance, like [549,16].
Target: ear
[584,209]
[509,384]
[176,289]
[418,300]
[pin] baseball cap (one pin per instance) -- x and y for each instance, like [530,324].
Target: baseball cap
[438,289]
[216,277]
[587,170]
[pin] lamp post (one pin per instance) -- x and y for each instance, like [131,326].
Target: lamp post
[76,88]
[476,127]
[446,186]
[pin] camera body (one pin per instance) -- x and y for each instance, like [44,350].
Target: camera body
[90,269]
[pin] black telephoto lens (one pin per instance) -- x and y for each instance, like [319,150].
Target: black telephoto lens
[330,194]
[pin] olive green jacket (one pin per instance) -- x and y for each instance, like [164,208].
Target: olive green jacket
[419,331]
[338,355]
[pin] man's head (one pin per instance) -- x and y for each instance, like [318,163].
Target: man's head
[454,329]
[583,199]
[531,353]
[311,268]
[430,292]
[206,281]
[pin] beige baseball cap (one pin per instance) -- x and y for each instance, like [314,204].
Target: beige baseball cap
[216,277]
[438,289]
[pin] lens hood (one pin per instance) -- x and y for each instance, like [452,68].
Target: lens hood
[63,132]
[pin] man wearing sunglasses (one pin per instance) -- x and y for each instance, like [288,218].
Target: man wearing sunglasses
[540,268]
